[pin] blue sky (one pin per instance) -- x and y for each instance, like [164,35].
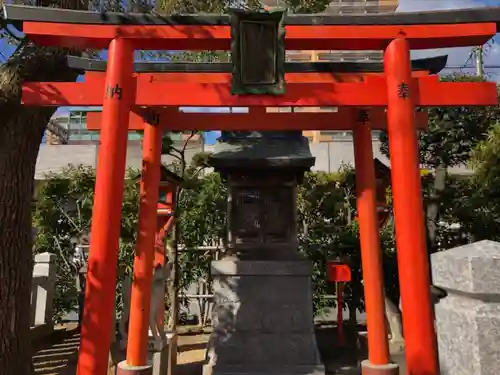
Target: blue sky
[457,57]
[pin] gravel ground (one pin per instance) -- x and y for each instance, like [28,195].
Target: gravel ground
[58,355]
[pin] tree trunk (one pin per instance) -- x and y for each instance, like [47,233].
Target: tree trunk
[173,285]
[21,131]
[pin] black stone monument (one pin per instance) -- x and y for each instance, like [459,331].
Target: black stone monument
[262,315]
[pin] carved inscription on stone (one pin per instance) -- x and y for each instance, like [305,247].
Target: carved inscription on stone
[262,215]
[278,215]
[246,216]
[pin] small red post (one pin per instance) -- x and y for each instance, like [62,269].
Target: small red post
[418,321]
[97,324]
[137,345]
[371,255]
[339,273]
[340,313]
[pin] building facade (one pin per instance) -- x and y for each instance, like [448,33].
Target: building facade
[71,128]
[338,7]
[67,141]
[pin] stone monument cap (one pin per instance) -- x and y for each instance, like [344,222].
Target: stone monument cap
[256,150]
[473,268]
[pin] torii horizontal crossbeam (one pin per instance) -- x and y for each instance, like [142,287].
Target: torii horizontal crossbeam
[173,120]
[372,92]
[423,30]
[432,65]
[199,38]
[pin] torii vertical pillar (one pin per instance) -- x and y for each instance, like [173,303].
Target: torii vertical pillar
[371,255]
[137,345]
[98,317]
[418,320]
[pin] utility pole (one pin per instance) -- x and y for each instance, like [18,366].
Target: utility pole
[478,51]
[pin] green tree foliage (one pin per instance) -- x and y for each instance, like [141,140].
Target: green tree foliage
[452,135]
[453,132]
[202,222]
[63,211]
[328,230]
[221,6]
[486,157]
[307,6]
[326,221]
[480,214]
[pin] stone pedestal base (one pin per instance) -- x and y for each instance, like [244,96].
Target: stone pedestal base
[369,369]
[160,360]
[468,319]
[125,369]
[263,320]
[172,339]
[162,356]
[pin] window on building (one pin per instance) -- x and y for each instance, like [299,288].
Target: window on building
[77,126]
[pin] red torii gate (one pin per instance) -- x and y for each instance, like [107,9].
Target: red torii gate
[125,91]
[174,120]
[179,90]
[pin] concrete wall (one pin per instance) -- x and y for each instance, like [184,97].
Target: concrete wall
[54,158]
[329,156]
